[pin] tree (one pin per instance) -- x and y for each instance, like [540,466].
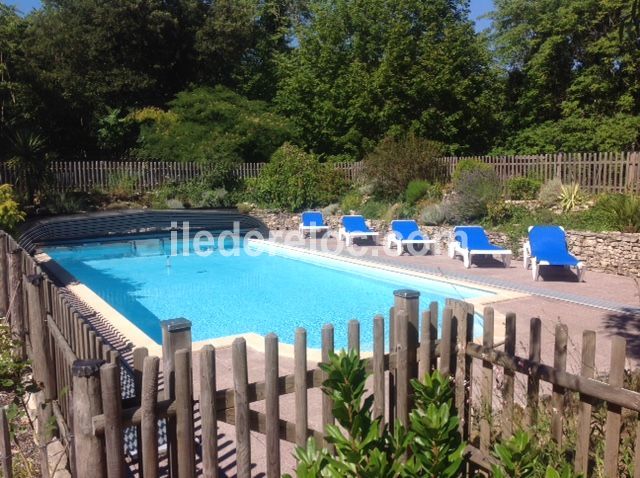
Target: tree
[211,125]
[369,68]
[565,58]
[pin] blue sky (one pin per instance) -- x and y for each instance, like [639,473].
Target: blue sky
[478,8]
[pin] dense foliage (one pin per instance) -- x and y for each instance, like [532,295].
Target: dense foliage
[10,213]
[365,69]
[395,162]
[294,179]
[212,125]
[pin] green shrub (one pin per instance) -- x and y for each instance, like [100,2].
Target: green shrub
[12,370]
[499,212]
[352,201]
[475,190]
[521,457]
[550,191]
[10,213]
[374,209]
[69,202]
[437,214]
[419,189]
[295,179]
[396,162]
[430,447]
[523,188]
[469,165]
[624,211]
[122,186]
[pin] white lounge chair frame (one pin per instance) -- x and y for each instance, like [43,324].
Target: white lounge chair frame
[392,241]
[456,249]
[529,261]
[348,237]
[307,230]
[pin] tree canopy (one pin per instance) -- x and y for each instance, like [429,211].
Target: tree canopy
[339,75]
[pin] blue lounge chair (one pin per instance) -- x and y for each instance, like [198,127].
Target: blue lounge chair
[355,227]
[471,241]
[405,232]
[312,221]
[547,246]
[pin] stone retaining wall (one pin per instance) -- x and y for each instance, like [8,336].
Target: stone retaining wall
[613,252]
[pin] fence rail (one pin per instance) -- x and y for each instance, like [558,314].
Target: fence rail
[82,378]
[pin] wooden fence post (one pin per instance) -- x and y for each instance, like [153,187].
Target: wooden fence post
[486,388]
[327,403]
[557,397]
[300,386]
[409,301]
[378,368]
[87,403]
[208,412]
[509,376]
[583,432]
[112,406]
[4,276]
[464,313]
[39,337]
[149,422]
[272,405]
[184,413]
[402,365]
[5,445]
[16,308]
[176,335]
[241,408]
[614,412]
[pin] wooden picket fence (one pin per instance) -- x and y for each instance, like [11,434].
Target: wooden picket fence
[83,380]
[141,176]
[595,172]
[54,334]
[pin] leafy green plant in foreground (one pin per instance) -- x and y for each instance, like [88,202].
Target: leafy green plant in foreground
[364,446]
[520,457]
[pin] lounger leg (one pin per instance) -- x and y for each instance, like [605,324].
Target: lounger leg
[467,260]
[347,240]
[581,271]
[452,250]
[506,260]
[526,258]
[535,270]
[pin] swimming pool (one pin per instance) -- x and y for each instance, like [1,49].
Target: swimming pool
[237,291]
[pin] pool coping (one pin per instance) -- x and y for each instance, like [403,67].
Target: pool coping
[138,338]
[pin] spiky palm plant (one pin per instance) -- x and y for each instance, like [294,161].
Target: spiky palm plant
[28,159]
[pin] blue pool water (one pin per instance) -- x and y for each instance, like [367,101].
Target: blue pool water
[227,295]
